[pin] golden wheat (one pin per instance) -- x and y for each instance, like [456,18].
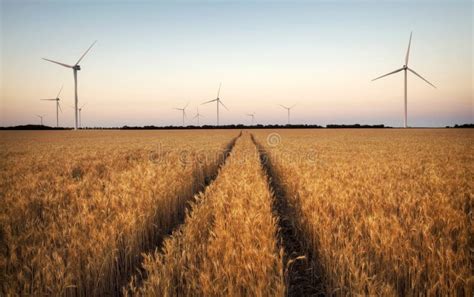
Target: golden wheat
[386,212]
[77,209]
[228,245]
[379,212]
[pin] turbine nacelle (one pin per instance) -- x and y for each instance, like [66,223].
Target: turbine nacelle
[76,67]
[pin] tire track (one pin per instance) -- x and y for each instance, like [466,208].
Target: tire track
[303,277]
[200,185]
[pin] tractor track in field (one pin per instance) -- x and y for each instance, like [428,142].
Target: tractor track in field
[302,277]
[138,272]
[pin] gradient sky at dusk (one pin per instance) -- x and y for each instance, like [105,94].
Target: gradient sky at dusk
[320,55]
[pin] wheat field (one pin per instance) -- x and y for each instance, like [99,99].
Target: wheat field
[78,210]
[237,213]
[228,244]
[385,212]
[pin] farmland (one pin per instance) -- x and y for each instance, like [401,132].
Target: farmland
[231,213]
[77,211]
[382,212]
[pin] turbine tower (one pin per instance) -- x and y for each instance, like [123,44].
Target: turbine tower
[58,106]
[405,68]
[288,110]
[198,115]
[218,101]
[252,115]
[74,68]
[183,110]
[41,118]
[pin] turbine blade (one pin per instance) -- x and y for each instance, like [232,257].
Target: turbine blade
[49,99]
[408,50]
[413,71]
[209,101]
[283,106]
[59,105]
[59,63]
[292,106]
[85,53]
[82,105]
[59,92]
[219,90]
[223,104]
[398,70]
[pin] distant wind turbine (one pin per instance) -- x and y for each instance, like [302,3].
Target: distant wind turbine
[218,101]
[288,109]
[58,106]
[80,117]
[252,115]
[74,68]
[41,118]
[198,115]
[183,110]
[405,68]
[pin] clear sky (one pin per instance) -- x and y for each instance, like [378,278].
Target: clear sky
[320,55]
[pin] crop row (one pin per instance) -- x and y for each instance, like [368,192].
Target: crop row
[228,245]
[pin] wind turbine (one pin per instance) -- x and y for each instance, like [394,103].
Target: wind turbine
[251,115]
[41,118]
[198,115]
[405,68]
[183,110]
[58,106]
[80,118]
[288,109]
[218,101]
[74,68]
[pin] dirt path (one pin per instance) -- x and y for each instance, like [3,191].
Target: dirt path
[302,278]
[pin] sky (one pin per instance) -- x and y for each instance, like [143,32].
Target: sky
[151,57]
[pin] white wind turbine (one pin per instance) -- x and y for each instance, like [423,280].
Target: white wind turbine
[79,110]
[74,68]
[288,110]
[80,117]
[252,115]
[198,115]
[218,101]
[183,110]
[41,118]
[58,106]
[405,68]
